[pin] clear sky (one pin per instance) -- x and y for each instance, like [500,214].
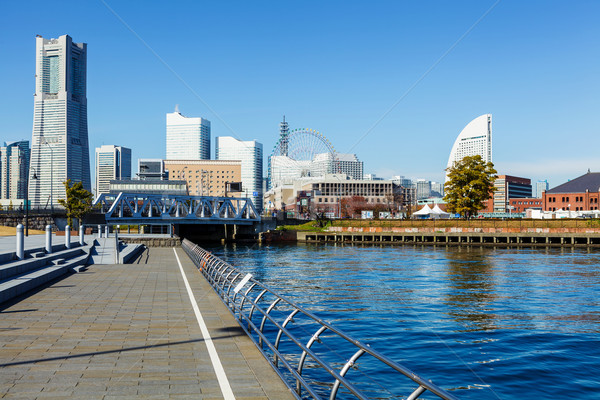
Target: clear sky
[337,67]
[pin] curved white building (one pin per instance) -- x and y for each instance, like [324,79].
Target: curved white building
[474,139]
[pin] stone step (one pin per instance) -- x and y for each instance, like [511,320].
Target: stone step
[22,283]
[29,264]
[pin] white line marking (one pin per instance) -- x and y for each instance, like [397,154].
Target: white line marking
[242,283]
[212,351]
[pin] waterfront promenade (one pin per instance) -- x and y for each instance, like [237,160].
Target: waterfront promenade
[130,331]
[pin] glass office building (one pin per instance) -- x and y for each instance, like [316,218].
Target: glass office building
[112,163]
[14,168]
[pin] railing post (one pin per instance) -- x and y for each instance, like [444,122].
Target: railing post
[20,242]
[48,239]
[81,233]
[117,247]
[68,236]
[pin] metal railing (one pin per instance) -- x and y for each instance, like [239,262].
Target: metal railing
[311,356]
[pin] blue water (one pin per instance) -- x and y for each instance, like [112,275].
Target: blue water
[483,323]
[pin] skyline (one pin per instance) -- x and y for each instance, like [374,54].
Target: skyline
[338,71]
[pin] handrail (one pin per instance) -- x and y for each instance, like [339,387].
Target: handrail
[253,310]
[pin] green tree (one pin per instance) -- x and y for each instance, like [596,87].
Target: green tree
[470,183]
[10,206]
[78,202]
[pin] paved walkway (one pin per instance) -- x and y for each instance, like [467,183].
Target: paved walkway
[128,331]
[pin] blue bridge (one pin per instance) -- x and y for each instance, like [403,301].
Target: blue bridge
[165,209]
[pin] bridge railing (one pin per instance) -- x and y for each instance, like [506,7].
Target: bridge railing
[315,359]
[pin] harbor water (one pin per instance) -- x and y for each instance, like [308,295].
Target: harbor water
[483,323]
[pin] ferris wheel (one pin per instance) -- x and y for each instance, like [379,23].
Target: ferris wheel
[298,153]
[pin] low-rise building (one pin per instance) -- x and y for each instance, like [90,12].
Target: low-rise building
[326,193]
[520,205]
[579,194]
[151,169]
[206,177]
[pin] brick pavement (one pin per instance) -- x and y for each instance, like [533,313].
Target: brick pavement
[127,331]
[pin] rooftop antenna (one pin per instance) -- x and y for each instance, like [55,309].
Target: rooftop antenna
[283,136]
[177,108]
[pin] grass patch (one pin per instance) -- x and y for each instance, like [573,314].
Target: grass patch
[12,231]
[310,226]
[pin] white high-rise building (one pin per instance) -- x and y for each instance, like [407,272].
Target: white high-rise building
[187,138]
[59,146]
[250,153]
[112,163]
[475,139]
[540,187]
[14,169]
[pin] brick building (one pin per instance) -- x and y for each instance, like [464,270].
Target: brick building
[519,205]
[579,194]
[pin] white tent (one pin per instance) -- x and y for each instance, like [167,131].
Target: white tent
[423,212]
[437,212]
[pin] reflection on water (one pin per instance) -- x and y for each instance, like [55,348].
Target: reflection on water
[471,288]
[510,323]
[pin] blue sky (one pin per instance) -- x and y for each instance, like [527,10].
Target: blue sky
[336,67]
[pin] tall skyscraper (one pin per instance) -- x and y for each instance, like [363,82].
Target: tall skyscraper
[187,138]
[250,153]
[14,169]
[59,146]
[112,163]
[474,139]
